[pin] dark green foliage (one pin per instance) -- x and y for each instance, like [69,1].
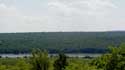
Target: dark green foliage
[61,62]
[40,60]
[112,61]
[67,41]
[101,62]
[117,60]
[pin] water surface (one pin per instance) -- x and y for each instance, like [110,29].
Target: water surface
[69,55]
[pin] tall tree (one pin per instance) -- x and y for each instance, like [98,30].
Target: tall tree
[61,62]
[40,60]
[117,60]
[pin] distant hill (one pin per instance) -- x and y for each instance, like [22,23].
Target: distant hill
[71,42]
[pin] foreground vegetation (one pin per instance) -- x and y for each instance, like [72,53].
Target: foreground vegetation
[115,60]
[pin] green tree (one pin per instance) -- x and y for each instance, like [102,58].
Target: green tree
[117,60]
[40,60]
[100,62]
[114,60]
[61,62]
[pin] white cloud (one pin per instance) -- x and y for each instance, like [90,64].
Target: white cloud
[60,15]
[7,8]
[13,20]
[22,24]
[80,15]
[80,6]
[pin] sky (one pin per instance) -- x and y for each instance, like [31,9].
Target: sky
[61,15]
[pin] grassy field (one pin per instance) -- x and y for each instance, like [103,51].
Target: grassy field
[24,64]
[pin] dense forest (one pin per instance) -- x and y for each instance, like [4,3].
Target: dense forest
[69,42]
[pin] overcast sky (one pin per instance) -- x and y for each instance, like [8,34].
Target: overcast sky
[61,15]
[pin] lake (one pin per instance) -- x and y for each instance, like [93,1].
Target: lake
[69,55]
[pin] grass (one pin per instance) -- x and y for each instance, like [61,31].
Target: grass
[24,64]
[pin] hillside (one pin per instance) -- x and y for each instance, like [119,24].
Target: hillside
[68,41]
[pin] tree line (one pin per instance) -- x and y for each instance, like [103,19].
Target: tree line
[69,42]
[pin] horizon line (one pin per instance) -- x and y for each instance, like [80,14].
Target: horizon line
[63,31]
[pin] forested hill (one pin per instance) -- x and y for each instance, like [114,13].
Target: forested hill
[71,42]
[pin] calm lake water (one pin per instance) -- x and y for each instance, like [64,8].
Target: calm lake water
[69,55]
